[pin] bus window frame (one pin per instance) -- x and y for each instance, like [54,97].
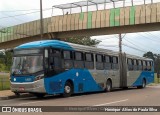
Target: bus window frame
[75,60]
[102,61]
[140,65]
[130,64]
[71,58]
[117,63]
[106,62]
[85,59]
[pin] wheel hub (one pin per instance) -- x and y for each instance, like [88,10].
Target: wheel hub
[67,89]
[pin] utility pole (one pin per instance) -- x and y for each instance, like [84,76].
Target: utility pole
[120,43]
[158,67]
[41,19]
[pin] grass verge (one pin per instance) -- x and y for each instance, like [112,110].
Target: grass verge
[4,82]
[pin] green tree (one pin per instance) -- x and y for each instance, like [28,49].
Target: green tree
[2,54]
[8,60]
[5,61]
[149,55]
[86,40]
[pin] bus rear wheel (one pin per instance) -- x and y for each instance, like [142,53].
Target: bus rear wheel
[68,89]
[108,86]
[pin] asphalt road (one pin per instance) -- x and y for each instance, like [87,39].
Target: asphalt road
[150,96]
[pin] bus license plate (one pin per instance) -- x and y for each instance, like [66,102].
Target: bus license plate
[21,88]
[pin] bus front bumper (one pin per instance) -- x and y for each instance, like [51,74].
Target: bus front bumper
[28,87]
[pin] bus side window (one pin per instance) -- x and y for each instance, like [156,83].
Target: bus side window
[78,60]
[144,66]
[149,65]
[99,62]
[89,61]
[140,65]
[107,62]
[115,63]
[135,65]
[130,64]
[51,59]
[68,62]
[57,58]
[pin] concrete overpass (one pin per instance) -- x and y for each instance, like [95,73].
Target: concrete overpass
[129,19]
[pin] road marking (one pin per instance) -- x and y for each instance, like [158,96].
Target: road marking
[30,103]
[111,102]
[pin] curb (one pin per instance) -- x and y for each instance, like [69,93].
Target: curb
[14,96]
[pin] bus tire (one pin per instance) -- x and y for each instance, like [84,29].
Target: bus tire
[143,84]
[125,88]
[68,89]
[17,94]
[39,95]
[108,86]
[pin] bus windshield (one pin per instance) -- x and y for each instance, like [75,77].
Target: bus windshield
[27,64]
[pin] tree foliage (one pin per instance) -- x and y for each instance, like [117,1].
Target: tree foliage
[149,55]
[6,61]
[86,40]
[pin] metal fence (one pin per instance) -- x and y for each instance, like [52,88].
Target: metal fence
[4,83]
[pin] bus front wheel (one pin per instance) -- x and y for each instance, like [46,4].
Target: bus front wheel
[68,89]
[143,84]
[39,95]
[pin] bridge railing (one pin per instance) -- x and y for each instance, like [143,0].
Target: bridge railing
[23,30]
[131,15]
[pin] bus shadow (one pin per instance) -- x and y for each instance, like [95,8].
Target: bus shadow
[51,97]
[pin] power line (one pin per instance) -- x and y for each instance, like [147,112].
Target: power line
[153,35]
[134,44]
[150,38]
[105,38]
[142,45]
[24,14]
[19,10]
[133,48]
[108,45]
[14,18]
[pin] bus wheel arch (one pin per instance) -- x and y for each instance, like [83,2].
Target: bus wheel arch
[68,88]
[144,82]
[108,85]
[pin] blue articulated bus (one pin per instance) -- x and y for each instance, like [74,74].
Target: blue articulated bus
[58,67]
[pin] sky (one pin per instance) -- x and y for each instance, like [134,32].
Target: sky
[133,43]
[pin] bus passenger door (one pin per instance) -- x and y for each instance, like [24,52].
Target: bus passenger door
[55,65]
